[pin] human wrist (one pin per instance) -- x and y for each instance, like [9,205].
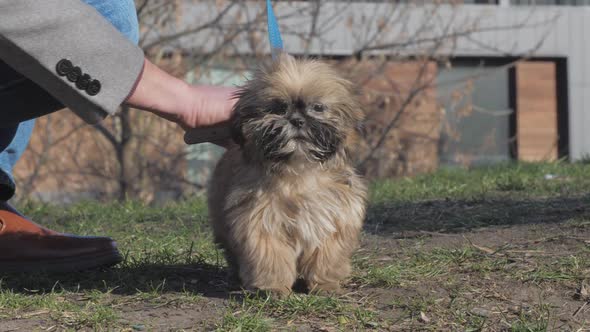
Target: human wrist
[187,106]
[161,93]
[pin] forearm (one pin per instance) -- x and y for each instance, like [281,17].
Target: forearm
[161,93]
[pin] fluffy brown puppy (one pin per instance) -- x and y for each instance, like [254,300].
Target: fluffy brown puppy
[287,202]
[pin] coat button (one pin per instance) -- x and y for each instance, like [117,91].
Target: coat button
[74,74]
[63,67]
[93,88]
[83,82]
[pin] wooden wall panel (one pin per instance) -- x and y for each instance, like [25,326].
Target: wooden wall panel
[411,146]
[536,111]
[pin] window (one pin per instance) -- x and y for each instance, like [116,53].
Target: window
[476,126]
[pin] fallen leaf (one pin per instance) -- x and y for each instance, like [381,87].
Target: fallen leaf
[583,293]
[424,318]
[481,312]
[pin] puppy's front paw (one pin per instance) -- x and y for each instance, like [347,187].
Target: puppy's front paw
[233,279]
[277,293]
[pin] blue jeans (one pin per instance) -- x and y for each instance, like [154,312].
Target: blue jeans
[14,140]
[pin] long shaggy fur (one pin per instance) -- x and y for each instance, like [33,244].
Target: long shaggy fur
[286,202]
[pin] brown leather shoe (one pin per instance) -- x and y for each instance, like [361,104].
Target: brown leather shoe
[28,247]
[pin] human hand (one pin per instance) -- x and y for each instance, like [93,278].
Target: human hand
[208,119]
[202,111]
[211,105]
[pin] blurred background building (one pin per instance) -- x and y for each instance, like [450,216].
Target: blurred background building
[443,84]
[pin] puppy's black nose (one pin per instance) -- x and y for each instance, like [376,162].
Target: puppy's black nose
[297,121]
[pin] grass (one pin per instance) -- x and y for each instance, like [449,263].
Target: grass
[523,180]
[246,316]
[94,312]
[254,312]
[453,250]
[535,320]
[418,265]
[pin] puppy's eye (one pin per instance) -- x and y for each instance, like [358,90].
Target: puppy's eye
[318,107]
[278,107]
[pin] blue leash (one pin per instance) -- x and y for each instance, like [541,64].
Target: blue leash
[274,34]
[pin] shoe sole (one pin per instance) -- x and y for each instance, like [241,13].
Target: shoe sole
[66,264]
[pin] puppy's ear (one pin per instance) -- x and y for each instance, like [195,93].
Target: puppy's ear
[360,128]
[236,129]
[355,116]
[245,108]
[236,120]
[358,112]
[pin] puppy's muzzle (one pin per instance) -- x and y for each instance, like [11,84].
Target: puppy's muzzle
[297,120]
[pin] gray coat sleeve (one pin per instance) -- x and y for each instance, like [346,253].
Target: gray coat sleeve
[71,51]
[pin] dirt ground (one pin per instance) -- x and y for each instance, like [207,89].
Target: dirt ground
[439,265]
